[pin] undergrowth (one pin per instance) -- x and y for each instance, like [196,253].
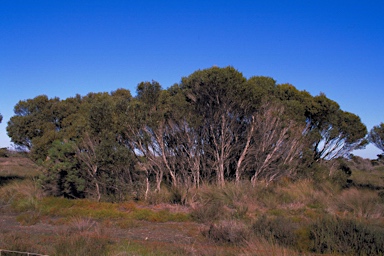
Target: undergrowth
[289,217]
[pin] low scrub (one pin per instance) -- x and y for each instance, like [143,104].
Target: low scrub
[345,236]
[227,232]
[324,235]
[279,230]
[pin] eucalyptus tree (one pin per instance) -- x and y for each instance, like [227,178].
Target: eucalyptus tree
[213,94]
[335,132]
[144,125]
[376,136]
[105,157]
[36,124]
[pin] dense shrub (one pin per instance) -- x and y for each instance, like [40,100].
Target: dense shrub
[231,232]
[324,235]
[279,229]
[335,235]
[4,152]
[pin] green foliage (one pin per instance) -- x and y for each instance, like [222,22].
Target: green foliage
[63,176]
[376,136]
[214,126]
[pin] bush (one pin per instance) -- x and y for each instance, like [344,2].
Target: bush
[209,212]
[279,229]
[4,152]
[335,235]
[230,232]
[324,235]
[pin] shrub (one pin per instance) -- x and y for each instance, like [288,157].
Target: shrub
[279,230]
[231,232]
[209,212]
[4,152]
[335,235]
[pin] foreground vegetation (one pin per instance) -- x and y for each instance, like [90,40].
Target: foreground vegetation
[340,215]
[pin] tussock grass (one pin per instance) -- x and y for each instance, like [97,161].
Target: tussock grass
[21,195]
[359,204]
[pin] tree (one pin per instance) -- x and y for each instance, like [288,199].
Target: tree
[376,136]
[145,125]
[107,161]
[213,94]
[334,132]
[273,144]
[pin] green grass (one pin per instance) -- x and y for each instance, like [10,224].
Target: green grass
[100,210]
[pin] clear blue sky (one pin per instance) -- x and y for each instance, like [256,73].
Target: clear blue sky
[61,48]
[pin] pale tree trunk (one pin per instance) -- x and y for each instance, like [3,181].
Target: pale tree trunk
[87,155]
[239,165]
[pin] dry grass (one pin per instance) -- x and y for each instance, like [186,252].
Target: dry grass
[373,179]
[358,203]
[21,167]
[21,195]
[260,247]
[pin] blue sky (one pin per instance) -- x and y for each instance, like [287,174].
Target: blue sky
[61,48]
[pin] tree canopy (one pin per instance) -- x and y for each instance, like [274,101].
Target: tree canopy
[213,126]
[376,136]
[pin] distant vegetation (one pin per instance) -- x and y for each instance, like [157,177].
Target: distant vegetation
[261,167]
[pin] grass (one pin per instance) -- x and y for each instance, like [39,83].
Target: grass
[283,218]
[359,204]
[20,196]
[18,167]
[369,179]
